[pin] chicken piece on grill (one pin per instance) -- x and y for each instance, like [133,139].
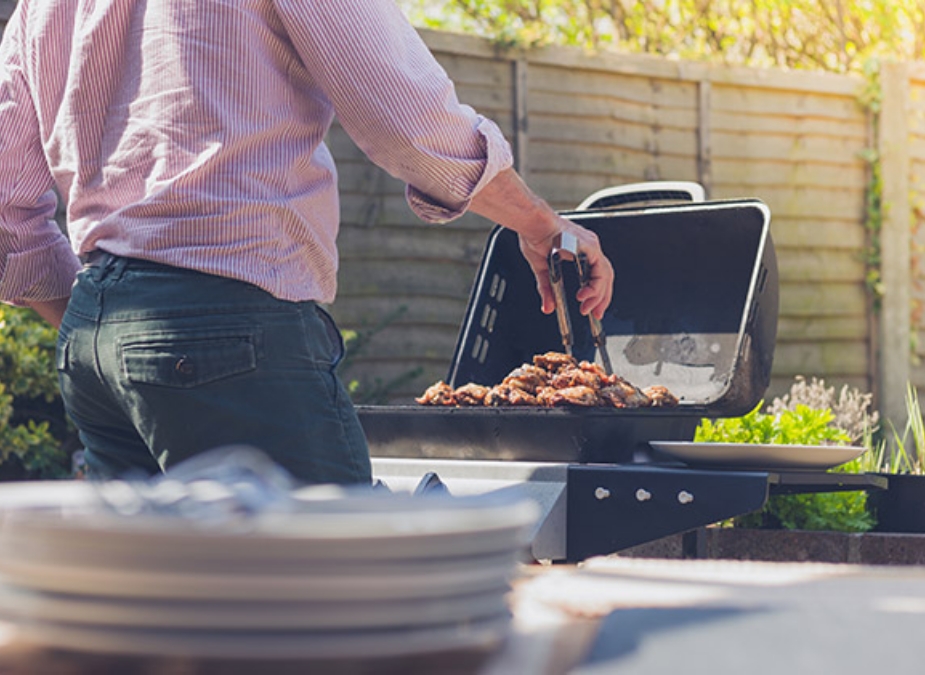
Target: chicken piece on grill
[527,378]
[621,394]
[661,397]
[583,375]
[595,368]
[438,394]
[552,362]
[471,394]
[579,395]
[506,395]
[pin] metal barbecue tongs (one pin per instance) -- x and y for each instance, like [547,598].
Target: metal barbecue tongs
[568,250]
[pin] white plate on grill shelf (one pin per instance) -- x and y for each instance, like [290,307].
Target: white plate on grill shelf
[759,456]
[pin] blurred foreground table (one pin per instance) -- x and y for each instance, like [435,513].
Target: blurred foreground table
[632,616]
[723,617]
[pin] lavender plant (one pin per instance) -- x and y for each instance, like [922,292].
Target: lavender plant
[851,409]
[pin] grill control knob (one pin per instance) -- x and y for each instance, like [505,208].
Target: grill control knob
[643,495]
[685,497]
[602,493]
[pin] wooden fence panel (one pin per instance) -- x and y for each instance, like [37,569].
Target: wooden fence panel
[591,128]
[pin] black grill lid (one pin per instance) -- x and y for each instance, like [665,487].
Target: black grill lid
[694,308]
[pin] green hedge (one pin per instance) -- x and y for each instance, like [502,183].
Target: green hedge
[36,439]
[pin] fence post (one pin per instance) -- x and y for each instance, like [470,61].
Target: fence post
[895,238]
[704,142]
[519,97]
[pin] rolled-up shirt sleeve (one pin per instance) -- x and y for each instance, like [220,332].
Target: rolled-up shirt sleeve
[396,102]
[36,260]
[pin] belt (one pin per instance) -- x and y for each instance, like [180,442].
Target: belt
[100,258]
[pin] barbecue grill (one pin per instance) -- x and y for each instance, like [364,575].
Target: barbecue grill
[694,308]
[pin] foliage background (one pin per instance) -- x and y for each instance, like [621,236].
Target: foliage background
[36,438]
[810,414]
[832,35]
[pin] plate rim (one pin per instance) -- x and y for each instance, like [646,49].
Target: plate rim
[218,615]
[487,633]
[840,454]
[373,581]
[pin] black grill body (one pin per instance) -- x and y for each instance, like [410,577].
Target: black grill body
[695,308]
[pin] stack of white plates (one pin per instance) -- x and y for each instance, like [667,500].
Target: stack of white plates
[348,576]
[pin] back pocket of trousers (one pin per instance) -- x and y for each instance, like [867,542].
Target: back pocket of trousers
[188,358]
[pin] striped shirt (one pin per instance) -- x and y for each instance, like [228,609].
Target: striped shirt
[190,132]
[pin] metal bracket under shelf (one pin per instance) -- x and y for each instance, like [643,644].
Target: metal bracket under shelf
[599,509]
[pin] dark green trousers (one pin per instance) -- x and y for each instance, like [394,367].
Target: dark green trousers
[158,363]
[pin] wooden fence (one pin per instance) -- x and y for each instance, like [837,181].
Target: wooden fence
[581,122]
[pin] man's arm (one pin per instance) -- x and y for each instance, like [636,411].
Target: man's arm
[37,265]
[508,201]
[51,310]
[396,101]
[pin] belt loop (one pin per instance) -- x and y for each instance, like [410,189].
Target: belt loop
[104,264]
[96,258]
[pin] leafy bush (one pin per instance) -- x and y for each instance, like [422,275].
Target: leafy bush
[801,425]
[806,34]
[36,439]
[850,408]
[828,511]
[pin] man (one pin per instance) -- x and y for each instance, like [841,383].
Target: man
[185,137]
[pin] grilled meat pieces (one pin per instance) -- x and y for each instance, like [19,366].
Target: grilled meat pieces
[552,362]
[553,379]
[507,395]
[527,378]
[660,396]
[439,393]
[471,394]
[583,374]
[580,395]
[621,394]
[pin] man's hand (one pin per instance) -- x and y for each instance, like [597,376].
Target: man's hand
[595,297]
[509,202]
